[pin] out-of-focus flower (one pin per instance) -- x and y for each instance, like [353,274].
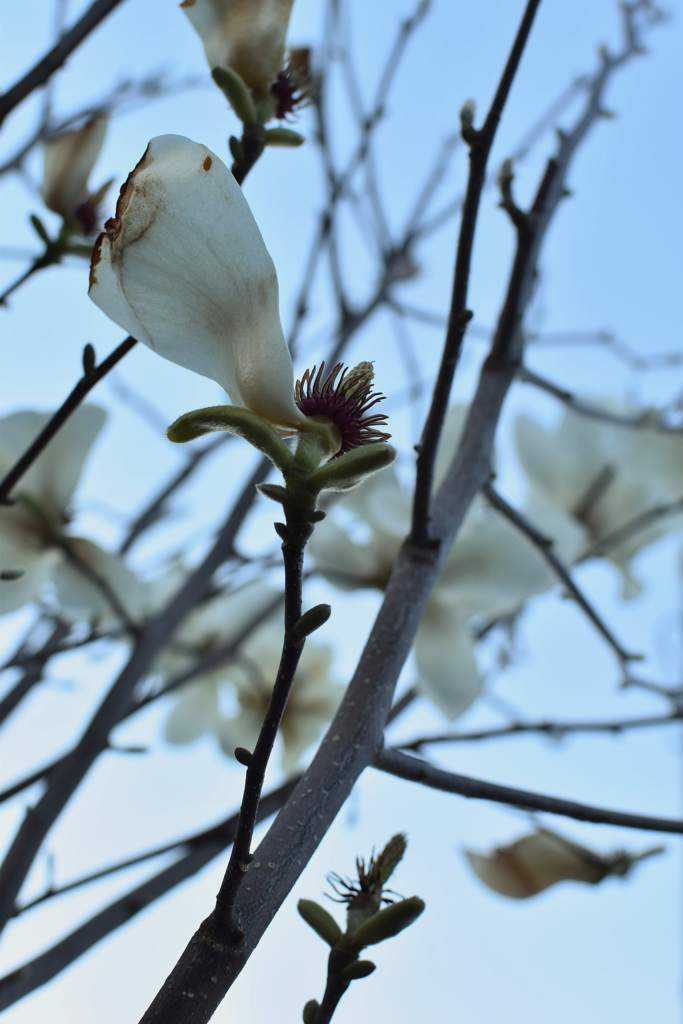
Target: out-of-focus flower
[69,160]
[35,543]
[184,269]
[602,476]
[490,571]
[245,35]
[230,700]
[543,858]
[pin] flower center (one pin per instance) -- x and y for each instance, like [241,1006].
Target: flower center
[344,398]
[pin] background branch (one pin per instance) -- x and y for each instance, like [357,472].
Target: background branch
[413,769]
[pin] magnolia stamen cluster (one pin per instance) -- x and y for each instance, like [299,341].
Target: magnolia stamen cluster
[344,398]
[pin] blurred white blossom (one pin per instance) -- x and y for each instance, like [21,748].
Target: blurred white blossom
[183,268]
[230,699]
[602,476]
[490,570]
[535,862]
[245,35]
[36,545]
[69,160]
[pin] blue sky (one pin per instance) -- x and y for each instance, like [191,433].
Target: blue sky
[612,262]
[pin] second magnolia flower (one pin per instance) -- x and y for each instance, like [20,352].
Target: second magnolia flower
[183,268]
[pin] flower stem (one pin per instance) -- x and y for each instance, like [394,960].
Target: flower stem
[295,535]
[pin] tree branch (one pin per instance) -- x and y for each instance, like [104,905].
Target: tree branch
[544,546]
[201,850]
[414,769]
[70,404]
[553,730]
[41,72]
[480,143]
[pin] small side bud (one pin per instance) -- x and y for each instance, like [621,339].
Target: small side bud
[320,920]
[358,969]
[9,575]
[89,360]
[237,93]
[311,620]
[310,1011]
[389,921]
[351,469]
[273,491]
[467,113]
[40,229]
[284,137]
[243,755]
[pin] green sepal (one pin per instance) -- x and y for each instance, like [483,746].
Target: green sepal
[243,755]
[273,491]
[237,93]
[320,920]
[284,137]
[89,360]
[316,442]
[234,420]
[351,469]
[40,229]
[311,620]
[310,1011]
[388,922]
[358,969]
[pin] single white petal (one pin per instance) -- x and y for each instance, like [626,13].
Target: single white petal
[69,159]
[195,713]
[535,862]
[447,669]
[246,35]
[183,268]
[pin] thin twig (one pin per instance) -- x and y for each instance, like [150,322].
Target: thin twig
[553,730]
[201,850]
[70,404]
[638,420]
[480,142]
[41,72]
[413,769]
[545,548]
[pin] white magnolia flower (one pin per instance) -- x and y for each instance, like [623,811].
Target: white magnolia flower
[35,543]
[602,476]
[490,571]
[69,160]
[535,862]
[230,700]
[183,268]
[245,35]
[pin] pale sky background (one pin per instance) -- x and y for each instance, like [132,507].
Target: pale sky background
[613,262]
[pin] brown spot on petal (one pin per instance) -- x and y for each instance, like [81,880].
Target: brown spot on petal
[95,259]
[207,163]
